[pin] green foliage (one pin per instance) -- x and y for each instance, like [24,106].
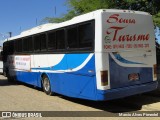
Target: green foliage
[151,6]
[78,7]
[68,16]
[85,6]
[156,19]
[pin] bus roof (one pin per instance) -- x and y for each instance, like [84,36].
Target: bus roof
[77,19]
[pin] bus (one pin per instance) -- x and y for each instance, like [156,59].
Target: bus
[102,55]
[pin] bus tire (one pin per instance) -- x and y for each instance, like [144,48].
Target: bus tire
[4,74]
[46,85]
[9,78]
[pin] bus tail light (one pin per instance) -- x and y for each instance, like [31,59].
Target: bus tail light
[155,70]
[104,78]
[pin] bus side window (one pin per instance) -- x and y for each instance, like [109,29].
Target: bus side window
[60,38]
[1,56]
[85,35]
[18,45]
[27,44]
[11,47]
[72,37]
[30,43]
[52,41]
[43,39]
[37,43]
[5,49]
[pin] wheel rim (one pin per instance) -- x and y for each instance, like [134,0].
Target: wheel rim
[46,84]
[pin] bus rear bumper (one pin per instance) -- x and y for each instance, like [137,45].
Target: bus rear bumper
[126,91]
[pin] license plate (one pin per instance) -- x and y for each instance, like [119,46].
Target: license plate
[133,76]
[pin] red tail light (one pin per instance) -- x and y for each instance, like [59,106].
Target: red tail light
[155,70]
[104,78]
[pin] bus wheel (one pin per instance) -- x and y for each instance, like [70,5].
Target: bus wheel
[10,79]
[4,74]
[46,85]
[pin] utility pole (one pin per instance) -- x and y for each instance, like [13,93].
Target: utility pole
[36,21]
[55,11]
[10,34]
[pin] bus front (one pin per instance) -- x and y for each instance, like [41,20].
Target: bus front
[126,60]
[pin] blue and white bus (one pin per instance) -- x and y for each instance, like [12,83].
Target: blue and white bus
[101,55]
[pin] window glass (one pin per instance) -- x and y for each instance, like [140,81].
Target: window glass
[37,43]
[27,44]
[52,40]
[43,41]
[30,43]
[72,37]
[18,45]
[5,51]
[11,47]
[85,35]
[60,38]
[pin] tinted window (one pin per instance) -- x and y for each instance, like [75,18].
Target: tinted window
[60,38]
[85,35]
[11,47]
[5,51]
[27,44]
[43,41]
[72,37]
[52,40]
[30,42]
[37,43]
[18,45]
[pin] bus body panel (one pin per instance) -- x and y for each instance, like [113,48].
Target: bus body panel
[125,91]
[127,49]
[80,81]
[119,75]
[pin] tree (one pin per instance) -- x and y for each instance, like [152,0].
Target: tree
[151,6]
[156,19]
[78,7]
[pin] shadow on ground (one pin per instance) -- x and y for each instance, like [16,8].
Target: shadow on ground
[128,104]
[4,82]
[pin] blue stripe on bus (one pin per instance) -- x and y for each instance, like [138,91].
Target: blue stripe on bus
[122,60]
[68,61]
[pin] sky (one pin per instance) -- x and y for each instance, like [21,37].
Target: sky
[19,15]
[157,31]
